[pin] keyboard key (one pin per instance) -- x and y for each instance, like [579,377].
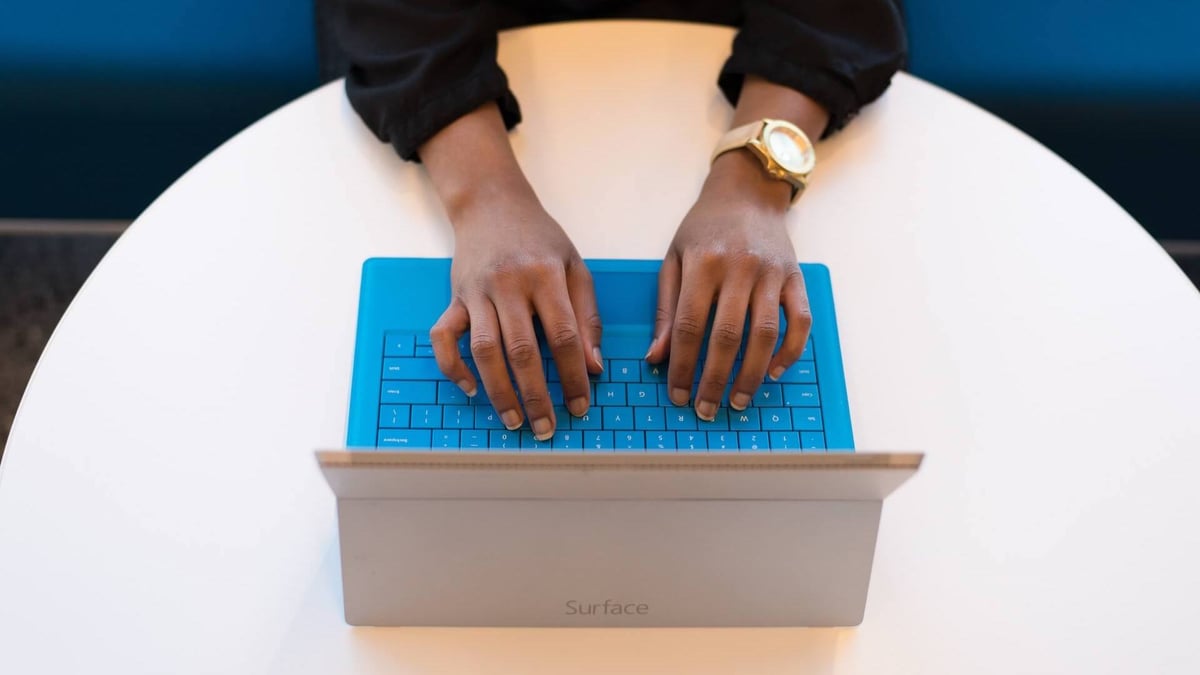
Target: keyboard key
[753,441]
[654,372]
[391,416]
[691,441]
[601,441]
[681,419]
[423,351]
[744,420]
[408,391]
[556,392]
[610,393]
[422,339]
[474,439]
[807,354]
[785,441]
[411,369]
[397,344]
[426,417]
[807,419]
[487,418]
[531,444]
[643,394]
[618,417]
[412,439]
[649,419]
[445,440]
[552,372]
[801,372]
[801,395]
[504,440]
[722,440]
[567,440]
[625,371]
[660,440]
[448,393]
[812,440]
[768,395]
[591,420]
[776,419]
[625,346]
[458,417]
[629,440]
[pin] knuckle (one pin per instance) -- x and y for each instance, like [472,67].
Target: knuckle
[484,346]
[562,336]
[714,382]
[726,335]
[688,329]
[522,352]
[801,318]
[535,399]
[767,330]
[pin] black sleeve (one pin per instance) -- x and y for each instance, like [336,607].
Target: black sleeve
[841,53]
[415,66]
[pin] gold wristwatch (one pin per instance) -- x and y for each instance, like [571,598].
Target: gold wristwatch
[784,150]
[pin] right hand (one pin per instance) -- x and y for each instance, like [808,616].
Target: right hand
[512,263]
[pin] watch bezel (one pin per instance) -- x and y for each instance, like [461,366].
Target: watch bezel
[765,146]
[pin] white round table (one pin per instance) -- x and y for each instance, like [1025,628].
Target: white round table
[161,510]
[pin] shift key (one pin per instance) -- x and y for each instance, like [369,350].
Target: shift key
[411,369]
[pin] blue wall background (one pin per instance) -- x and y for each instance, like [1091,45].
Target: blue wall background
[103,104]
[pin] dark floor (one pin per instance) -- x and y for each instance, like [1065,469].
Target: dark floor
[40,274]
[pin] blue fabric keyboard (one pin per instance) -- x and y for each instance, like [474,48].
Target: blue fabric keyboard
[630,411]
[400,400]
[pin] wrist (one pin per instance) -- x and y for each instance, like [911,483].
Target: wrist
[739,175]
[496,193]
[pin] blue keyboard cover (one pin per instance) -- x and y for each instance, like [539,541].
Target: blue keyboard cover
[400,400]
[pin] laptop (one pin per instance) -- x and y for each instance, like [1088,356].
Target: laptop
[638,514]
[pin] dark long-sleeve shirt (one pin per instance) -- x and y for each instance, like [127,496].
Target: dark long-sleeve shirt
[414,66]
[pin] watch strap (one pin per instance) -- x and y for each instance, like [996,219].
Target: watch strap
[738,137]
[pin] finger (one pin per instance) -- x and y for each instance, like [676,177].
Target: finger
[696,291]
[487,347]
[525,360]
[794,299]
[723,342]
[668,298]
[444,337]
[582,295]
[554,310]
[760,341]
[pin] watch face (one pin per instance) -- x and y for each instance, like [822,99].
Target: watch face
[790,149]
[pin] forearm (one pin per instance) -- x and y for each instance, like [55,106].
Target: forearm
[740,172]
[471,160]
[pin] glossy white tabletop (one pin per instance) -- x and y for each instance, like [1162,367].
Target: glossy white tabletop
[161,511]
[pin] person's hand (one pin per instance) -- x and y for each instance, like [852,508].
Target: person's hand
[732,250]
[512,263]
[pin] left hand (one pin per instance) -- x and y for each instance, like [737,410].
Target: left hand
[732,250]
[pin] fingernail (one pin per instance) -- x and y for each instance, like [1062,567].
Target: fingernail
[596,356]
[465,385]
[511,419]
[650,349]
[706,410]
[777,372]
[543,428]
[578,406]
[679,396]
[739,401]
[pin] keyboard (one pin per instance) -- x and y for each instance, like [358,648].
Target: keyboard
[420,409]
[400,401]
